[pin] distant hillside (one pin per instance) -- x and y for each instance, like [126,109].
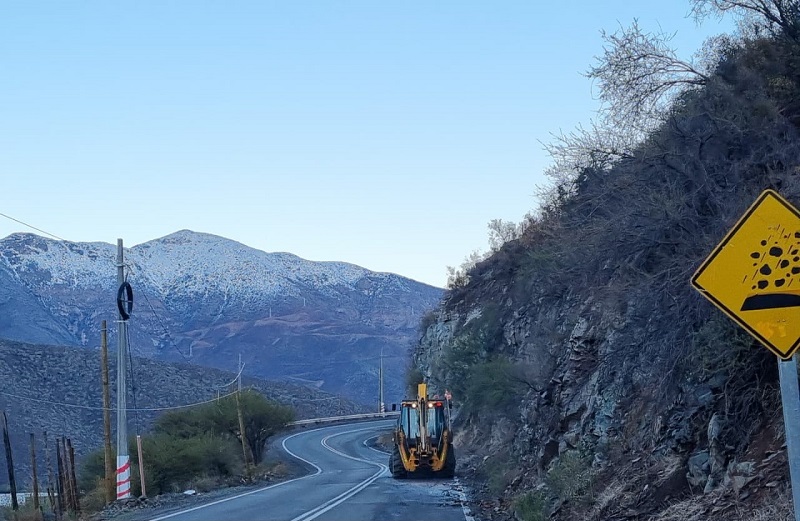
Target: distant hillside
[205,299]
[592,381]
[58,390]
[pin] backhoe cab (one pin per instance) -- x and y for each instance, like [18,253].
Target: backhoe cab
[423,439]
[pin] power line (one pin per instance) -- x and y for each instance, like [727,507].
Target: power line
[89,407]
[158,317]
[163,326]
[133,383]
[130,357]
[33,227]
[235,378]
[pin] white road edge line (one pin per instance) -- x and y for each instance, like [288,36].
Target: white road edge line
[379,451]
[283,444]
[463,498]
[344,496]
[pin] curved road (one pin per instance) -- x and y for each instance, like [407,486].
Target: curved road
[347,481]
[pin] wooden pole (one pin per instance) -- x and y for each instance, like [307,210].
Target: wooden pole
[242,434]
[69,497]
[63,473]
[110,469]
[65,476]
[73,480]
[68,475]
[10,461]
[35,478]
[62,498]
[50,482]
[141,465]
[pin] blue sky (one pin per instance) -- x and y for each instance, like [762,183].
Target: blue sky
[385,134]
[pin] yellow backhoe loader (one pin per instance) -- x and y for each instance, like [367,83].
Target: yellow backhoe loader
[423,439]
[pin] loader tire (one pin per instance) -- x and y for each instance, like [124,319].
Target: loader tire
[396,465]
[449,469]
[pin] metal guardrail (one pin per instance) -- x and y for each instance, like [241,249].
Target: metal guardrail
[331,419]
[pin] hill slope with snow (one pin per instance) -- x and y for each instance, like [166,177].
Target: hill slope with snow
[207,299]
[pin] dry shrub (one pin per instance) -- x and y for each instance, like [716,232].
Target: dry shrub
[773,509]
[94,500]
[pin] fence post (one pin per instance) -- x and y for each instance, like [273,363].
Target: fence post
[10,461]
[73,480]
[35,477]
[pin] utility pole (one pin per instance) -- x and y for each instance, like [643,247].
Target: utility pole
[240,368]
[109,465]
[242,435]
[123,460]
[241,418]
[382,407]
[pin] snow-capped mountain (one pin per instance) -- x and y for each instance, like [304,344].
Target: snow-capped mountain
[206,300]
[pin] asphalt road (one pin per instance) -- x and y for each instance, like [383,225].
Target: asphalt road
[347,481]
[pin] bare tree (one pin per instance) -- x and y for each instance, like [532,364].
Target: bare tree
[639,76]
[773,16]
[500,232]
[459,277]
[597,147]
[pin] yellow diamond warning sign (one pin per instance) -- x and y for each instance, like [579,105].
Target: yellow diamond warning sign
[753,275]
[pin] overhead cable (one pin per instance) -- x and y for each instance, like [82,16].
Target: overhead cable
[33,227]
[92,408]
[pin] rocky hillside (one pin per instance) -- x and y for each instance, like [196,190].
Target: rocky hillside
[204,299]
[594,383]
[58,390]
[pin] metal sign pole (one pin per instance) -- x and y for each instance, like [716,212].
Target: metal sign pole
[790,399]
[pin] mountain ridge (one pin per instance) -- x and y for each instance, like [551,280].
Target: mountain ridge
[209,298]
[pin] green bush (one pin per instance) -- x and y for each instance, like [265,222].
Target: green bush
[205,483]
[171,463]
[201,445]
[571,477]
[471,353]
[491,386]
[719,346]
[94,499]
[92,469]
[499,471]
[187,423]
[26,512]
[531,507]
[262,419]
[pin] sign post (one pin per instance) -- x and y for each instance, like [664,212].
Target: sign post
[790,399]
[753,276]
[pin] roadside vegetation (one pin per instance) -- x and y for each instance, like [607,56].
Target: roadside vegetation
[198,448]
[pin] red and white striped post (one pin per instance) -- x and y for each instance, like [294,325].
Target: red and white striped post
[123,477]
